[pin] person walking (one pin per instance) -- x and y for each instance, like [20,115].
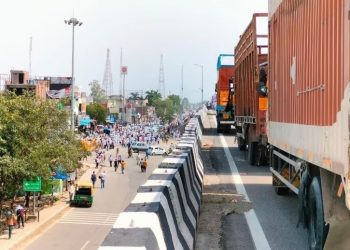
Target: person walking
[71,191]
[110,160]
[10,222]
[93,178]
[123,165]
[138,158]
[103,179]
[119,158]
[116,163]
[19,210]
[97,161]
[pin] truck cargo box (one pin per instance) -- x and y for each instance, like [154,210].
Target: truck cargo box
[225,93]
[250,52]
[309,81]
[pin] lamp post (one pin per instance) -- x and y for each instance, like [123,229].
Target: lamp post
[201,66]
[74,22]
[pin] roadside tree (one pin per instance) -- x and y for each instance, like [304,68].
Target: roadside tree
[97,111]
[35,140]
[153,96]
[97,93]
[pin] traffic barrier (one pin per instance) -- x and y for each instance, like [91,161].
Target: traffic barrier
[165,210]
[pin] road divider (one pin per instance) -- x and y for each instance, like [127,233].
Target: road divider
[165,211]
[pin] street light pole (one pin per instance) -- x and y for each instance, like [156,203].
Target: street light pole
[201,66]
[74,22]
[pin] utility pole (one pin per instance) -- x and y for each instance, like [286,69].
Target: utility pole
[30,59]
[74,22]
[161,82]
[201,66]
[182,81]
[123,72]
[120,79]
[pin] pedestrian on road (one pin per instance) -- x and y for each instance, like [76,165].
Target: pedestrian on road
[20,215]
[10,222]
[103,179]
[97,161]
[138,158]
[71,190]
[110,160]
[93,179]
[119,158]
[123,165]
[116,163]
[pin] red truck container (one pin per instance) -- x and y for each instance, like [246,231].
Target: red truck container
[251,54]
[309,113]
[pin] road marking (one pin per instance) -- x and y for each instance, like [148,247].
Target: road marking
[86,243]
[255,228]
[89,218]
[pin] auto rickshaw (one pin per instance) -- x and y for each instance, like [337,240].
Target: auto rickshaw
[83,195]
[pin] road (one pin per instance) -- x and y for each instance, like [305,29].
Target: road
[86,228]
[276,216]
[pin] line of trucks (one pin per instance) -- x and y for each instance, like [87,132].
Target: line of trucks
[286,96]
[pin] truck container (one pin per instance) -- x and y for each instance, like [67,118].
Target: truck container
[251,55]
[309,113]
[225,93]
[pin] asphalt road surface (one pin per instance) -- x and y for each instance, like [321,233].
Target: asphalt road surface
[276,216]
[86,228]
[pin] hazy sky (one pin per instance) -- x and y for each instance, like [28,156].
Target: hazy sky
[185,31]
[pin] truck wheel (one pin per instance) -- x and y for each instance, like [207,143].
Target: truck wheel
[317,230]
[241,144]
[281,190]
[252,151]
[218,128]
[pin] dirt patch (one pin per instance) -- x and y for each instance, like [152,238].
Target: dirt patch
[219,200]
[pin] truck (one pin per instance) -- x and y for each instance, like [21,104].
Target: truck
[309,114]
[225,93]
[251,55]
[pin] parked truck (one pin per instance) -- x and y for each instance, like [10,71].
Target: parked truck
[309,113]
[251,55]
[225,107]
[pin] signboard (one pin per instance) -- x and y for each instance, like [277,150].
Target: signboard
[32,186]
[61,80]
[263,103]
[124,70]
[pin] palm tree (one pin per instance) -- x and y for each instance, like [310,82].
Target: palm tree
[134,96]
[152,96]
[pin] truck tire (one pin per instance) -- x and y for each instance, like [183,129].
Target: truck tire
[281,190]
[218,128]
[252,152]
[241,145]
[317,230]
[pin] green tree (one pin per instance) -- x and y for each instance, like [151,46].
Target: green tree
[165,109]
[134,96]
[97,93]
[185,103]
[97,111]
[35,140]
[153,96]
[176,102]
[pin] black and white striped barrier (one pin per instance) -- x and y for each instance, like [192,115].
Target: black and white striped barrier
[165,210]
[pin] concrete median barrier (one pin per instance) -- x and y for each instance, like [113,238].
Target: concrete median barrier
[165,210]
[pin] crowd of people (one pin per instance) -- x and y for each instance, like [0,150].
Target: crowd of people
[112,139]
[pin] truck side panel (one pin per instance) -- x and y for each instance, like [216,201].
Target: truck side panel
[309,82]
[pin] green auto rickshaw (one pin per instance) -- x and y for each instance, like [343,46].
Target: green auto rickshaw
[83,195]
